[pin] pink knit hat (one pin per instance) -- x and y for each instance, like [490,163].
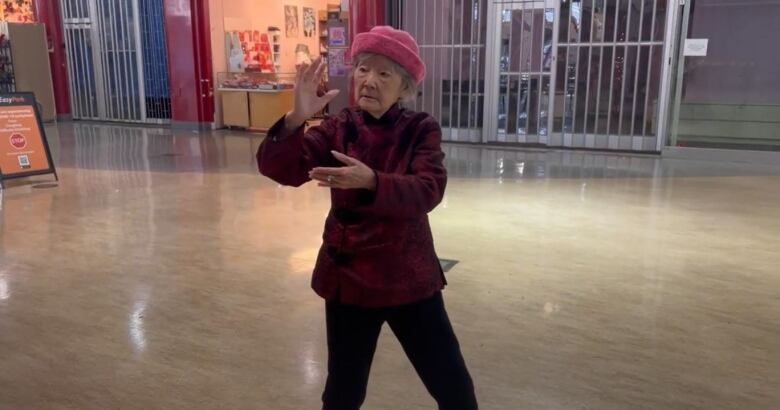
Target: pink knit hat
[396,45]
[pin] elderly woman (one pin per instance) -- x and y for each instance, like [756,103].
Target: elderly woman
[383,165]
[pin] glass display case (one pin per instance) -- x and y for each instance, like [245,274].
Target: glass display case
[255,81]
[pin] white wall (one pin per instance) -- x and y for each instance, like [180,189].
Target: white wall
[217,53]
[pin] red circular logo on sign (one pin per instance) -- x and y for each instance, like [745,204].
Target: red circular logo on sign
[18,141]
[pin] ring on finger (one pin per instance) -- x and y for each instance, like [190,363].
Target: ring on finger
[330,179]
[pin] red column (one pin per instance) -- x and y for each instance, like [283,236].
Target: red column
[47,12]
[365,14]
[189,62]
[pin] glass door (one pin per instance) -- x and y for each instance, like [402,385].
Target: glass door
[727,92]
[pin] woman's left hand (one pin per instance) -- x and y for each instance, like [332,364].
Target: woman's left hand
[356,175]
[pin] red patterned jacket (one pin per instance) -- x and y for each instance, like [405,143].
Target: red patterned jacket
[377,246]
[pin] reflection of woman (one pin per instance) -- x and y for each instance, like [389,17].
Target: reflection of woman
[383,165]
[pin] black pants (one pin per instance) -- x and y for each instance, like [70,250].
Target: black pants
[426,336]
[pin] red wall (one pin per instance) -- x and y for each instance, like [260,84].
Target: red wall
[189,60]
[48,13]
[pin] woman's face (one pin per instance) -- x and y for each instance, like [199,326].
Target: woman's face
[377,85]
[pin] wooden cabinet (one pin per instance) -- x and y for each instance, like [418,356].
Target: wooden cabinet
[30,59]
[235,108]
[266,107]
[255,109]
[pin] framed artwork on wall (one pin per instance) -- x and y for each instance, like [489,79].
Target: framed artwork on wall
[291,21]
[309,22]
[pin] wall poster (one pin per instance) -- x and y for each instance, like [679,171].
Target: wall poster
[309,22]
[291,21]
[17,11]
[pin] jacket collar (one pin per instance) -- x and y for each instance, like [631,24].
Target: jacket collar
[388,118]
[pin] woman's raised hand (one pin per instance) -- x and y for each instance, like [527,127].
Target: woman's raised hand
[307,102]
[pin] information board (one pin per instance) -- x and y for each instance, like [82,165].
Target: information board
[24,150]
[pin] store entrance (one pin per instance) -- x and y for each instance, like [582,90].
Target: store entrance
[727,94]
[559,73]
[577,74]
[117,60]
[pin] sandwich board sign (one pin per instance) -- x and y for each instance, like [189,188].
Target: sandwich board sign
[24,150]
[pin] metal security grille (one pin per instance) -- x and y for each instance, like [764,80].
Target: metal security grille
[120,60]
[451,35]
[110,60]
[79,40]
[609,71]
[562,73]
[155,58]
[525,72]
[7,78]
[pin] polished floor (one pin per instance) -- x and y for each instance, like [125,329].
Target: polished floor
[163,273]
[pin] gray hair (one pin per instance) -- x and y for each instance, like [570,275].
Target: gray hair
[408,85]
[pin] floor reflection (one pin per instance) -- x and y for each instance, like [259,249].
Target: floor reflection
[163,272]
[116,147]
